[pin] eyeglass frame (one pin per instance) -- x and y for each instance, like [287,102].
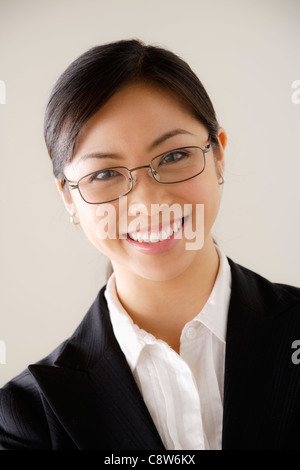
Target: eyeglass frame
[75,185]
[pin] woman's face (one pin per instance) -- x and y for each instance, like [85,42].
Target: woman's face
[138,123]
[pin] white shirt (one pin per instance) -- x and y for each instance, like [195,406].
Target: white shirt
[183,392]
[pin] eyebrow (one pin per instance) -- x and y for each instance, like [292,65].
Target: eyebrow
[160,140]
[167,136]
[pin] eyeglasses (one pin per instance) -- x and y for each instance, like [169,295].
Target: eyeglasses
[110,184]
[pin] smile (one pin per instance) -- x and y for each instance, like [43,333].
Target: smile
[156,236]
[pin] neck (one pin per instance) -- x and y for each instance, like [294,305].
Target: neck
[153,306]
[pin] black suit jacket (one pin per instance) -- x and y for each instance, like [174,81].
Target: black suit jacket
[83,396]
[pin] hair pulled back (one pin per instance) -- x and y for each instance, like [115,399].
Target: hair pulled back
[94,77]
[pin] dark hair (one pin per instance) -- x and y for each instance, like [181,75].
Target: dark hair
[89,82]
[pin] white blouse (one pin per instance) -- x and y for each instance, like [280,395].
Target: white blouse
[183,392]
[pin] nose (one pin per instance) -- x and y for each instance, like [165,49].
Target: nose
[138,168]
[154,175]
[151,173]
[146,190]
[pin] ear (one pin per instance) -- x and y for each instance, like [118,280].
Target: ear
[220,157]
[65,193]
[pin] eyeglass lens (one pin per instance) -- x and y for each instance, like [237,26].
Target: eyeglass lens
[111,183]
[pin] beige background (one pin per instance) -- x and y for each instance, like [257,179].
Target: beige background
[247,54]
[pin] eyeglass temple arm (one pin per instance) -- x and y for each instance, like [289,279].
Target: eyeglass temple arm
[208,146]
[72,184]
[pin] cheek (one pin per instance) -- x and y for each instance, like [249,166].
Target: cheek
[207,193]
[201,191]
[212,204]
[100,225]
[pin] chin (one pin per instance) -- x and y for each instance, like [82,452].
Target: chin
[163,271]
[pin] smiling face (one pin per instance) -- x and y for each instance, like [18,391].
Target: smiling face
[138,123]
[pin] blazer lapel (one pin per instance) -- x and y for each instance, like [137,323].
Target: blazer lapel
[261,382]
[92,391]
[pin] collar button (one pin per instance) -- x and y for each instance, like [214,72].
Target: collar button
[191,332]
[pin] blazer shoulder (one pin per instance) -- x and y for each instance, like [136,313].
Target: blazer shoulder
[261,294]
[24,414]
[26,417]
[23,423]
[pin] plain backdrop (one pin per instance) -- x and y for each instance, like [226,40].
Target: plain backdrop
[246,53]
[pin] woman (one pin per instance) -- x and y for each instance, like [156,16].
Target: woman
[183,348]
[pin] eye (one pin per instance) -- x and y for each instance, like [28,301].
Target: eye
[104,175]
[174,157]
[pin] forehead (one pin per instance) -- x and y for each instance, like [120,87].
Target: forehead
[135,116]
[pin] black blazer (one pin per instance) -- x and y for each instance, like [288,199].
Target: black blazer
[83,396]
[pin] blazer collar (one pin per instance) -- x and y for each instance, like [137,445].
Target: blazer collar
[262,384]
[90,388]
[258,294]
[92,391]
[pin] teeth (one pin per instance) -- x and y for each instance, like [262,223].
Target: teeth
[169,232]
[139,237]
[134,236]
[155,237]
[163,235]
[177,226]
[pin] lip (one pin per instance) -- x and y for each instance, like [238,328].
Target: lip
[160,246]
